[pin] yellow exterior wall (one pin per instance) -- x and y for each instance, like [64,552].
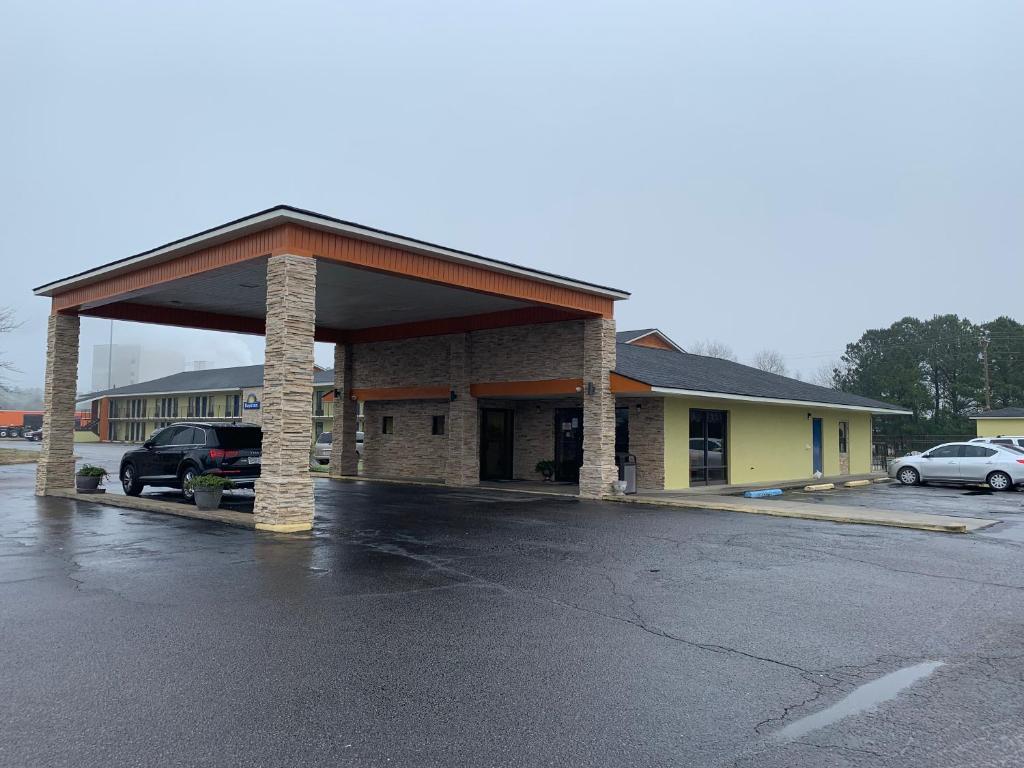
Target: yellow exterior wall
[996,427]
[765,442]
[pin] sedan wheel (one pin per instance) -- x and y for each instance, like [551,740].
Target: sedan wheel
[908,476]
[999,481]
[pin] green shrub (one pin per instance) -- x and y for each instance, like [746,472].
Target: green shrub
[209,483]
[88,470]
[546,467]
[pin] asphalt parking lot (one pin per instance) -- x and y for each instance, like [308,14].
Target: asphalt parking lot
[970,501]
[437,627]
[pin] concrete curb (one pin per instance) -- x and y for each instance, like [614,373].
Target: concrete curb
[226,516]
[856,516]
[431,484]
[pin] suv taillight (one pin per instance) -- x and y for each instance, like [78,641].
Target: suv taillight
[219,453]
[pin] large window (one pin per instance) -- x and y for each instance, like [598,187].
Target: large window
[200,406]
[708,450]
[844,437]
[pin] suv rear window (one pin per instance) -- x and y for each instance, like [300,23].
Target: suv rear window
[239,437]
[325,437]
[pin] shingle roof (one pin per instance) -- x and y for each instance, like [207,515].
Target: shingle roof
[1002,413]
[657,367]
[622,337]
[203,381]
[681,370]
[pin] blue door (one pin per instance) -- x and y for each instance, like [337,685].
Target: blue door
[819,465]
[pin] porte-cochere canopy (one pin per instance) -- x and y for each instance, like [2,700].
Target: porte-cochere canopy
[411,321]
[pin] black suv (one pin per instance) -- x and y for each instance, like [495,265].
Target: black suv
[174,455]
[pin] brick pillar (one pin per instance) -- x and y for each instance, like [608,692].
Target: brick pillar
[598,471]
[284,492]
[344,459]
[463,464]
[56,467]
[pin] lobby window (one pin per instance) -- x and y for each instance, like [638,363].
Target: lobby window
[844,437]
[387,425]
[437,425]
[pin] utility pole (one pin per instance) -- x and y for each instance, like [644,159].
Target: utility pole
[988,385]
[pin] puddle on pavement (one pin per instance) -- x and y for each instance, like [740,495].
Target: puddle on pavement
[867,696]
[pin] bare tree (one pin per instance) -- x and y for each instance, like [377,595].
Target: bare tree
[770,360]
[827,375]
[712,348]
[7,324]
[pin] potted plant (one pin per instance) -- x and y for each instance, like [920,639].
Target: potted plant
[546,469]
[88,477]
[208,489]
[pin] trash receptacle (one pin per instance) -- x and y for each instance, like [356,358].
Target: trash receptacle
[629,472]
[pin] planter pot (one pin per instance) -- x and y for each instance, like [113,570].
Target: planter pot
[208,498]
[87,483]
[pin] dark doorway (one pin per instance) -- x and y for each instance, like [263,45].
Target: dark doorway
[496,447]
[708,450]
[568,444]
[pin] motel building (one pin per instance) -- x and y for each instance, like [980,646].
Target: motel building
[467,370]
[1000,422]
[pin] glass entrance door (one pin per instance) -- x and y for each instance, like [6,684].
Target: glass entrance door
[496,444]
[708,450]
[817,460]
[568,444]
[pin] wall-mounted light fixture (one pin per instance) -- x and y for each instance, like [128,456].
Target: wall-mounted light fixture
[591,389]
[452,396]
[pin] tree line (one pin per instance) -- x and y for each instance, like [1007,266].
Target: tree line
[944,370]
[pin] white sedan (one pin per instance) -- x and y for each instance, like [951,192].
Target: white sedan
[1002,467]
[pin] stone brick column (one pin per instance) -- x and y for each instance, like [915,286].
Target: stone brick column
[56,467]
[344,458]
[598,471]
[463,465]
[284,492]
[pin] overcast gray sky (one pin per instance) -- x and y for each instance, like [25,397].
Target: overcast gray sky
[771,174]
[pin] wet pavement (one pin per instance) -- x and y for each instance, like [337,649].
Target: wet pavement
[955,501]
[435,627]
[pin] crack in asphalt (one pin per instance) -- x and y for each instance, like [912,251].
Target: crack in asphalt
[638,622]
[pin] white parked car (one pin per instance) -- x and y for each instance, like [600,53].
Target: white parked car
[1001,466]
[322,447]
[1012,440]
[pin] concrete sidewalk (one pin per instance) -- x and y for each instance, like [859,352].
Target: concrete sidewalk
[829,512]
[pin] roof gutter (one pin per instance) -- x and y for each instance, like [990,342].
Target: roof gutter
[779,401]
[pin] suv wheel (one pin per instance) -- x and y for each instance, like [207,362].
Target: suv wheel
[130,480]
[187,475]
